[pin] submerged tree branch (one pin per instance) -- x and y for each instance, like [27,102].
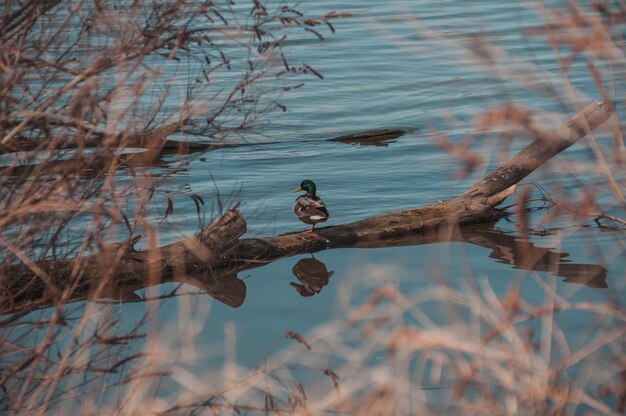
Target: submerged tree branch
[157,140]
[478,204]
[120,263]
[219,245]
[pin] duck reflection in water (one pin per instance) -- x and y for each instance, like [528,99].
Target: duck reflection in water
[312,274]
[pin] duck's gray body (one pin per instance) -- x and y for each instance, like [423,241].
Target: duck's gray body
[310,209]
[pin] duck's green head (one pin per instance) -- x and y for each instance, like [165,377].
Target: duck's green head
[306,185]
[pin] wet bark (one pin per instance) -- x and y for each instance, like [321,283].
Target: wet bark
[541,150]
[118,265]
[219,247]
[478,204]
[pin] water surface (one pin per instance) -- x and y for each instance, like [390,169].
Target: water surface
[393,64]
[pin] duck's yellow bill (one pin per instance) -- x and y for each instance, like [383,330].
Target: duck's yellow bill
[298,189]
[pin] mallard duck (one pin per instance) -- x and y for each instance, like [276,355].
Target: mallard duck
[309,208]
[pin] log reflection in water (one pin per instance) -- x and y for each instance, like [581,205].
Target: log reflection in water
[523,255]
[510,249]
[313,275]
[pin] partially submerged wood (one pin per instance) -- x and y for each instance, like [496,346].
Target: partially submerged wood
[94,138]
[154,144]
[381,227]
[478,204]
[156,140]
[219,245]
[312,274]
[381,137]
[119,265]
[541,150]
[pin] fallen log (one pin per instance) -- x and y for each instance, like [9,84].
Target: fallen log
[156,140]
[371,137]
[219,246]
[541,150]
[478,204]
[117,265]
[312,274]
[93,138]
[155,144]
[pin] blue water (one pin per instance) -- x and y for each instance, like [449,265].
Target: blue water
[401,64]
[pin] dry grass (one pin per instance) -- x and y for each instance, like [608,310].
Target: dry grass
[76,100]
[86,92]
[452,350]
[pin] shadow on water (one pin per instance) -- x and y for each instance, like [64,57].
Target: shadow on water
[313,275]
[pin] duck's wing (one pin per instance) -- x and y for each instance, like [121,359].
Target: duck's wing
[318,207]
[308,201]
[312,205]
